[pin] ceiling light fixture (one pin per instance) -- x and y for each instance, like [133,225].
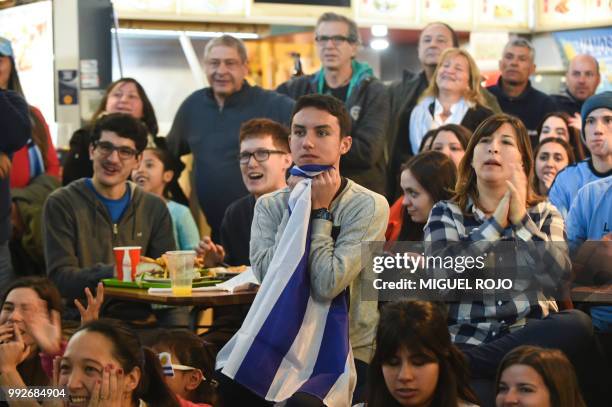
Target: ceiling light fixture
[138,32]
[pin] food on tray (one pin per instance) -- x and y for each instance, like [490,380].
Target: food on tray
[227,270]
[158,268]
[155,267]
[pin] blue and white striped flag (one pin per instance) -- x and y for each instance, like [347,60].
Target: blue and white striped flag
[289,341]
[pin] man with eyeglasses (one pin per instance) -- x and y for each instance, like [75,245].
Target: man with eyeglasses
[364,96]
[581,80]
[208,122]
[84,220]
[264,160]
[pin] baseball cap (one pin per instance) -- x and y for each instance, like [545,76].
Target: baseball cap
[5,47]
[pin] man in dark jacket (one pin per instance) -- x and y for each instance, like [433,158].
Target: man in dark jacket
[16,130]
[84,220]
[364,96]
[207,124]
[582,79]
[513,90]
[405,93]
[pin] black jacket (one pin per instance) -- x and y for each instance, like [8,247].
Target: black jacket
[530,106]
[15,130]
[566,102]
[368,106]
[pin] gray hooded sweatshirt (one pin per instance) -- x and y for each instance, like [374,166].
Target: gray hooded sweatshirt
[79,235]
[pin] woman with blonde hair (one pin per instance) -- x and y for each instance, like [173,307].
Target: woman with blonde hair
[454,96]
[496,211]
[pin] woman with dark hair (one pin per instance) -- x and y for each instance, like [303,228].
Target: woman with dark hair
[426,178]
[104,362]
[534,376]
[415,363]
[30,326]
[39,155]
[452,140]
[495,202]
[31,331]
[551,156]
[125,95]
[558,124]
[426,142]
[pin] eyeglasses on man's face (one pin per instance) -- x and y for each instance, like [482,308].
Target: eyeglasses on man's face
[260,155]
[337,40]
[106,148]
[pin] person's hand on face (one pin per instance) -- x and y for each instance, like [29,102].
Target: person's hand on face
[45,329]
[324,188]
[6,332]
[517,185]
[109,391]
[94,304]
[13,353]
[212,253]
[548,179]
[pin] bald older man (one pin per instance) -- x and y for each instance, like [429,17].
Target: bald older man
[581,79]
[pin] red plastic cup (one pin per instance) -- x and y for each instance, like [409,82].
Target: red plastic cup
[126,260]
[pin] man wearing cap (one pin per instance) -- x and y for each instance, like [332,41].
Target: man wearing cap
[353,83]
[16,130]
[597,135]
[207,124]
[582,79]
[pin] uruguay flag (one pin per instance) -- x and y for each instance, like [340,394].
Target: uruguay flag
[289,341]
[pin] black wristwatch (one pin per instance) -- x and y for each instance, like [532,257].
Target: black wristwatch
[321,213]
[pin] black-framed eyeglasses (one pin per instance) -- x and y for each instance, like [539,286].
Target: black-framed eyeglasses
[335,39]
[259,155]
[106,148]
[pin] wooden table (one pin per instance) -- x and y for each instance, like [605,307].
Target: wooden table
[201,299]
[600,293]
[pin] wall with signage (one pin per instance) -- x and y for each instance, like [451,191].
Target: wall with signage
[470,15]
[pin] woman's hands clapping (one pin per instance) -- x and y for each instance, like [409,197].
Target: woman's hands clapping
[513,205]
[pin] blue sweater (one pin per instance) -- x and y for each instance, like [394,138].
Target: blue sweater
[570,180]
[185,230]
[211,133]
[15,130]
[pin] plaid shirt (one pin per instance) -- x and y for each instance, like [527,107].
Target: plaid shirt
[477,322]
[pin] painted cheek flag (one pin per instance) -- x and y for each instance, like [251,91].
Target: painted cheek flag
[291,342]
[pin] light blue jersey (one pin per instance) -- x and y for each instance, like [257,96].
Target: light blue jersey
[185,230]
[569,181]
[590,217]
